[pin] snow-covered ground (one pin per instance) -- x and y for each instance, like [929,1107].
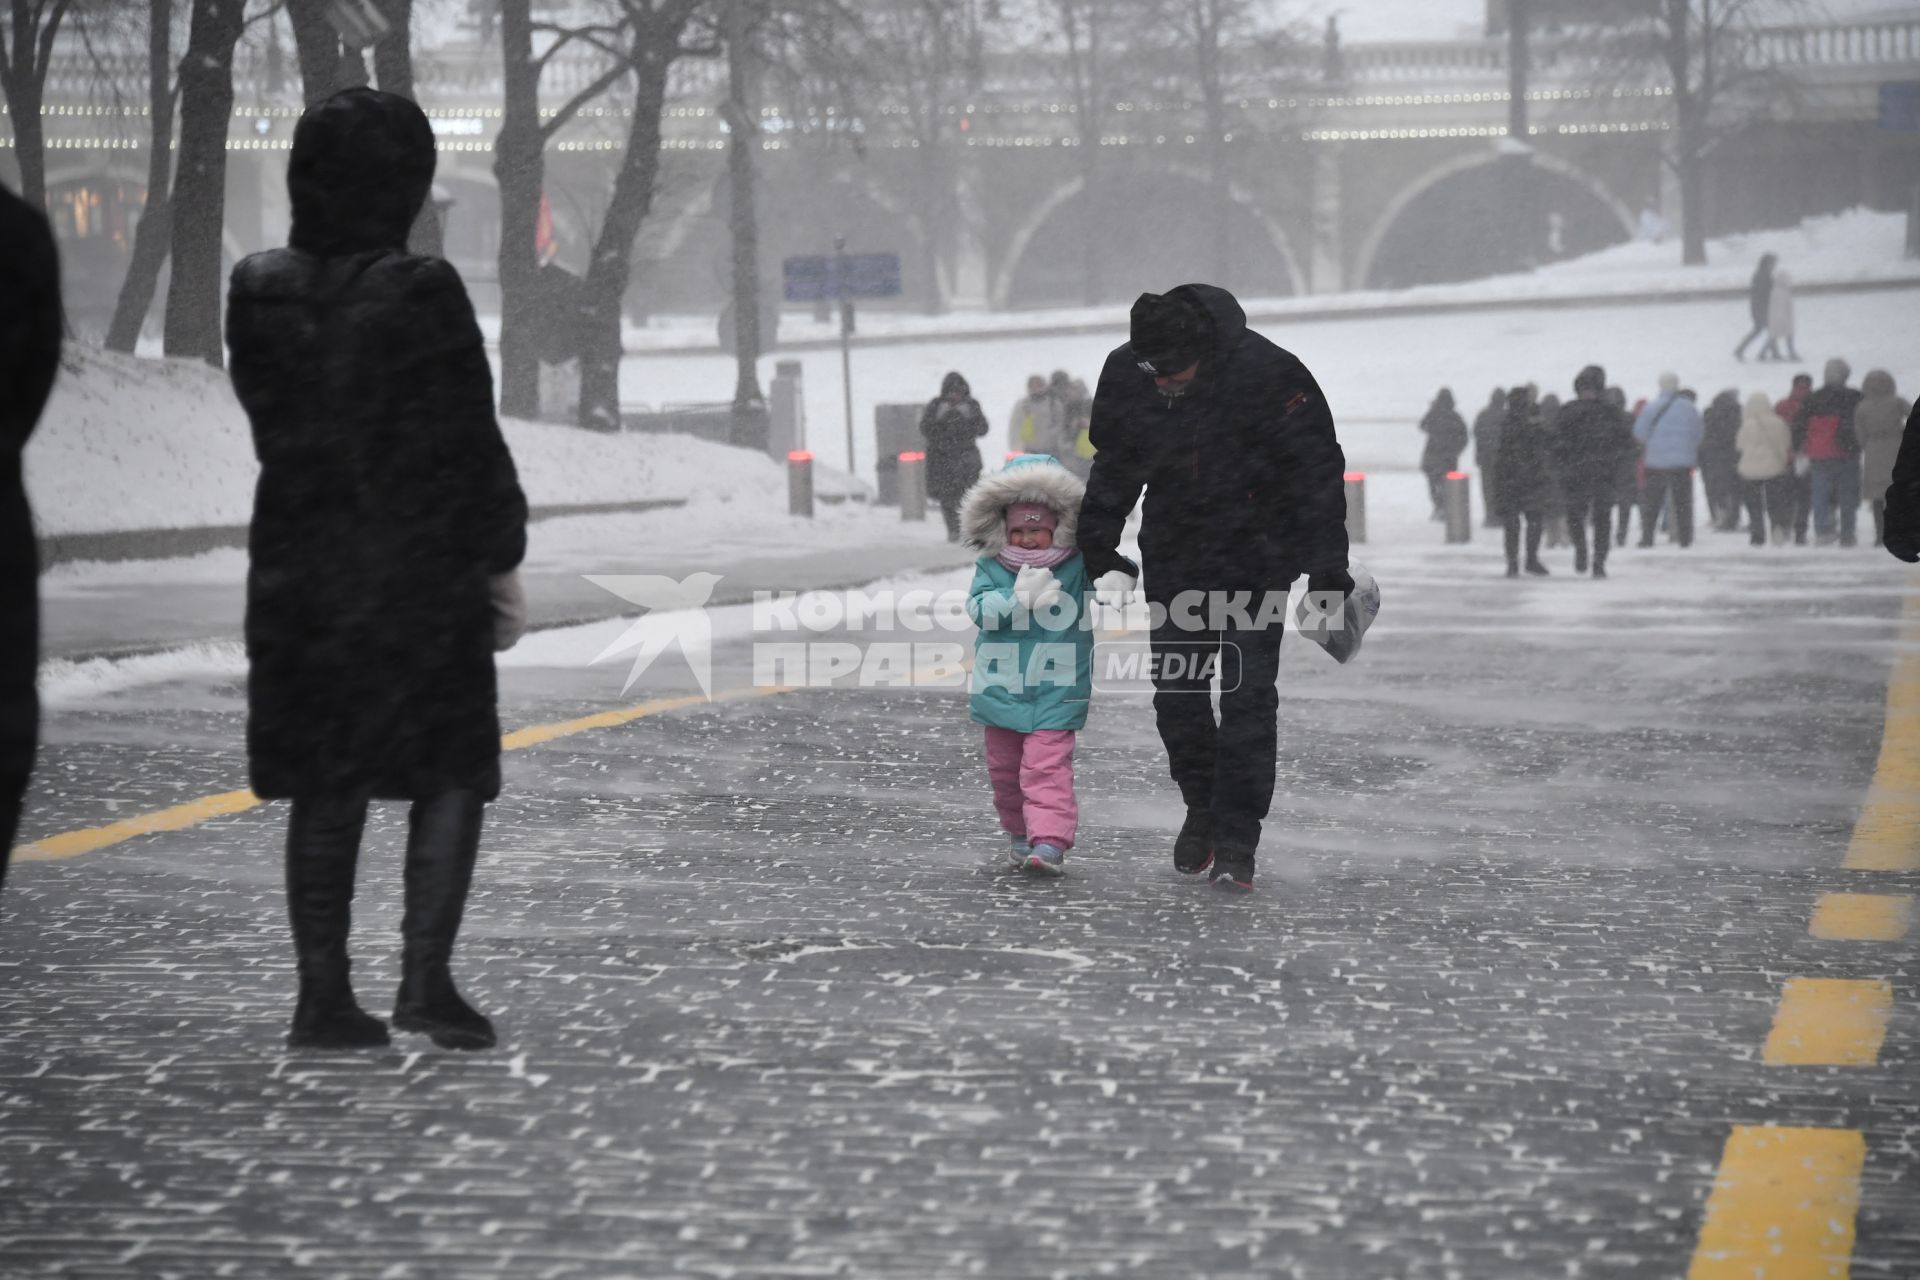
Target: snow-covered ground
[1848,248]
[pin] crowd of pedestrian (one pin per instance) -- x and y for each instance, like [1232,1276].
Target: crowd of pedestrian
[1786,471]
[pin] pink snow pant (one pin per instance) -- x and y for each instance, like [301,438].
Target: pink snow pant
[1033,783]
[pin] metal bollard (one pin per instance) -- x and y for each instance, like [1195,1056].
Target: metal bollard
[1458,495]
[1356,506]
[800,483]
[913,486]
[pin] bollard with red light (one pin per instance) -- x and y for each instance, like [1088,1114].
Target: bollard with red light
[1356,505]
[800,483]
[1457,495]
[913,486]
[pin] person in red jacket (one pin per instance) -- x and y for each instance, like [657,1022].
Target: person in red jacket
[1823,433]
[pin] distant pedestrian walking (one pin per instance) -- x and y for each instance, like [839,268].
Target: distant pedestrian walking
[1033,660]
[30,328]
[950,424]
[1520,480]
[386,509]
[1823,430]
[1780,319]
[1034,427]
[1553,510]
[1720,460]
[1879,421]
[1669,429]
[1759,299]
[1486,450]
[1626,489]
[1765,448]
[1447,439]
[1789,409]
[1590,438]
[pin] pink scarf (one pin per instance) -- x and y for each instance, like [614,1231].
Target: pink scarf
[1017,558]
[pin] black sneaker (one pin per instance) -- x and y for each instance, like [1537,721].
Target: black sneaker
[1193,847]
[1232,874]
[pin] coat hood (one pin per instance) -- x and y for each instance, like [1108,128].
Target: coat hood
[360,171]
[1229,318]
[1727,400]
[1592,378]
[1034,477]
[1878,383]
[1837,372]
[953,383]
[1759,407]
[1444,400]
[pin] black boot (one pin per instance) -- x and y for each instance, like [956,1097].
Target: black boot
[443,839]
[323,849]
[1193,847]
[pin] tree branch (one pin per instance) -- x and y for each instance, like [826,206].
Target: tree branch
[565,114]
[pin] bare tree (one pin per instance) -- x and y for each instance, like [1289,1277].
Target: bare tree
[199,197]
[151,236]
[1707,52]
[26,54]
[519,167]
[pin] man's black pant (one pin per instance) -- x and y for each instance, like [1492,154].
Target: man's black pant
[1591,507]
[1223,768]
[13,790]
[1664,482]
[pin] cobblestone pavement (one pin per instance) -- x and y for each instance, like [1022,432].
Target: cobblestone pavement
[1542,860]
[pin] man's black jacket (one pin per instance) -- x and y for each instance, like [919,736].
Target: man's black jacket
[1243,474]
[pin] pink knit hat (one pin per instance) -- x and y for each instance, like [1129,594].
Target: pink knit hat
[1031,515]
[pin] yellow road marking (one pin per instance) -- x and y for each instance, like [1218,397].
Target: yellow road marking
[1836,1022]
[1887,836]
[1862,917]
[1783,1206]
[72,844]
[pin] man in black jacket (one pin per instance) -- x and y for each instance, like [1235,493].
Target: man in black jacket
[1233,443]
[30,326]
[1902,519]
[1590,438]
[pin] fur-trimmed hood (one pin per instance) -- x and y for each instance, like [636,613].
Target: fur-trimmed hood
[1034,477]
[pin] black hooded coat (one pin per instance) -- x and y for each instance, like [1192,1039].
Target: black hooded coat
[386,495]
[1446,434]
[30,326]
[1523,473]
[950,424]
[1242,473]
[1591,439]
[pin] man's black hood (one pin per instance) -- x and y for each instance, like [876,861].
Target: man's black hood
[1228,317]
[361,169]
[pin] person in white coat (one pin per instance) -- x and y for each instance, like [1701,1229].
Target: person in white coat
[1780,318]
[1765,443]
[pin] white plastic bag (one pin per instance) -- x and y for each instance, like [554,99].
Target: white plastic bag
[1340,633]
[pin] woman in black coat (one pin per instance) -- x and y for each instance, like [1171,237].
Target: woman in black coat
[386,503]
[950,424]
[1447,439]
[1759,303]
[1522,479]
[30,326]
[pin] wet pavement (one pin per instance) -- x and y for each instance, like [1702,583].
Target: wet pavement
[1542,861]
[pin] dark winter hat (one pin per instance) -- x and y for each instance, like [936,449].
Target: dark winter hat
[1592,378]
[360,171]
[1169,334]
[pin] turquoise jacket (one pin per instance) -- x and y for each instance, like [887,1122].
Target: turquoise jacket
[1031,671]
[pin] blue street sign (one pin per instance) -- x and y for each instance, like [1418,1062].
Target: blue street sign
[825,277]
[1900,105]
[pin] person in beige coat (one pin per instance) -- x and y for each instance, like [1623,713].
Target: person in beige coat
[1878,421]
[1765,443]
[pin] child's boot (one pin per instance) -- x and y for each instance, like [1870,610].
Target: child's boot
[1017,850]
[1047,859]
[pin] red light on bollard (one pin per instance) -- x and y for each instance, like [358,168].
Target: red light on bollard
[800,455]
[1354,477]
[1456,475]
[913,457]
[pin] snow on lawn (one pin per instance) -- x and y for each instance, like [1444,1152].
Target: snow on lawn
[1379,372]
[1853,247]
[133,443]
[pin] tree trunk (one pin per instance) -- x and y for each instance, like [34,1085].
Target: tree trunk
[749,405]
[29,142]
[1693,207]
[151,236]
[519,166]
[199,200]
[612,264]
[393,68]
[317,45]
[1688,113]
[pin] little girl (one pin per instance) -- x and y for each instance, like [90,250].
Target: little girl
[1033,660]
